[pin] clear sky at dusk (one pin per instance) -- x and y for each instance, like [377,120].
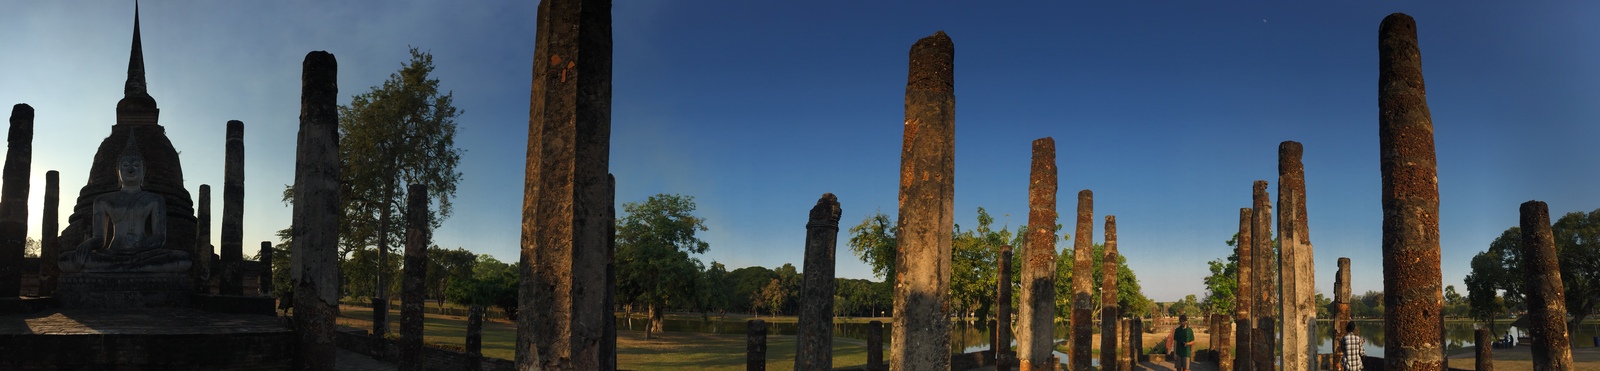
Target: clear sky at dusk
[1167,111]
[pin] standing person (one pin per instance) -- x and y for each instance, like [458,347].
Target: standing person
[1354,347]
[1184,337]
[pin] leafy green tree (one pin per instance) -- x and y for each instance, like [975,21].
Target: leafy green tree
[446,266]
[492,283]
[1222,285]
[1494,271]
[773,296]
[716,292]
[654,241]
[1130,297]
[974,274]
[747,284]
[399,133]
[873,241]
[282,256]
[1577,237]
[1324,305]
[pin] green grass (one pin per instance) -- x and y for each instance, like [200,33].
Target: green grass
[667,351]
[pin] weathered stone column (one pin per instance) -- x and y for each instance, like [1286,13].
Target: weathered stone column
[1264,338]
[1036,325]
[1002,329]
[14,200]
[49,235]
[315,262]
[814,332]
[608,340]
[1109,308]
[1136,340]
[875,345]
[1126,352]
[565,227]
[203,265]
[1411,277]
[1484,349]
[416,274]
[755,358]
[233,212]
[474,343]
[1296,268]
[1244,323]
[1341,309]
[1546,298]
[1083,284]
[921,336]
[1223,343]
[264,281]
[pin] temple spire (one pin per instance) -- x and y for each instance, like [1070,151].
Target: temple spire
[135,85]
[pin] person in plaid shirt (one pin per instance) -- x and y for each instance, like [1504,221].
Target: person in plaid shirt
[1354,347]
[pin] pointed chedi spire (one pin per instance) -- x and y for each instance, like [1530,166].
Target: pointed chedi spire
[136,106]
[135,85]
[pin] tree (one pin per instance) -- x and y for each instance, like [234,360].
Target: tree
[654,241]
[282,256]
[30,248]
[974,273]
[446,266]
[1577,237]
[747,284]
[772,296]
[492,284]
[873,241]
[399,133]
[1222,285]
[716,292]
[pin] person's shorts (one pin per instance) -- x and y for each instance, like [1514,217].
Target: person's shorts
[1180,361]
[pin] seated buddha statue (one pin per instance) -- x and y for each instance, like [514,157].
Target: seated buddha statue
[128,228]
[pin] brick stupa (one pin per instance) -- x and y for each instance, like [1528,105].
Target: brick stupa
[136,115]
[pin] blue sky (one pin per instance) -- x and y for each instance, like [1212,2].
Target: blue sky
[1166,110]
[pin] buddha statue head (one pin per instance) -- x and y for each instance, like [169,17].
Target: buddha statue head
[130,169]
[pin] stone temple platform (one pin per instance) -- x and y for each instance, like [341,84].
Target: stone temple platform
[144,339]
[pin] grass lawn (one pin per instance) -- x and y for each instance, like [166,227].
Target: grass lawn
[667,351]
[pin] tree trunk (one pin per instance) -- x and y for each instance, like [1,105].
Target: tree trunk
[658,320]
[649,326]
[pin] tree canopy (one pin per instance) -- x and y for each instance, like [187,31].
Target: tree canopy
[1498,279]
[399,133]
[653,266]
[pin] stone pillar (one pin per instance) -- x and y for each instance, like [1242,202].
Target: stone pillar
[416,275]
[1341,309]
[921,336]
[1264,339]
[1411,277]
[755,358]
[264,281]
[49,235]
[814,330]
[474,343]
[875,345]
[14,200]
[1484,348]
[1126,351]
[315,262]
[1546,298]
[1136,340]
[1222,341]
[608,340]
[203,265]
[565,224]
[1109,308]
[1244,324]
[1083,284]
[233,212]
[1036,325]
[1002,329]
[1296,269]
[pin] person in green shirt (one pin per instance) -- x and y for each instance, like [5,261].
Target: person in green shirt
[1183,336]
